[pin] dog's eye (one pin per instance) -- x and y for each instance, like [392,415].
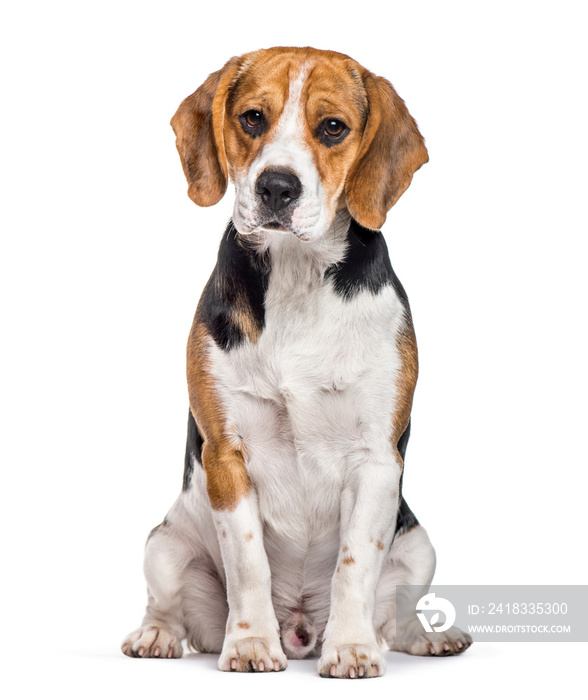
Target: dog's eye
[253,122]
[334,127]
[332,131]
[253,118]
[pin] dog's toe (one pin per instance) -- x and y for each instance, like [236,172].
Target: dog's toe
[152,641]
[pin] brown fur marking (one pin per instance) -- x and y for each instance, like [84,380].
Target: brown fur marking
[197,125]
[242,317]
[348,561]
[227,480]
[391,151]
[406,381]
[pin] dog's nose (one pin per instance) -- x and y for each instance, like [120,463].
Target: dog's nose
[278,189]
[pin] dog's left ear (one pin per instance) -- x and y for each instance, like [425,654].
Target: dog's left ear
[391,151]
[198,126]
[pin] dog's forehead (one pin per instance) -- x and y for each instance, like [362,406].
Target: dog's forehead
[330,80]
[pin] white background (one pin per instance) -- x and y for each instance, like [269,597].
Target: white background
[103,259]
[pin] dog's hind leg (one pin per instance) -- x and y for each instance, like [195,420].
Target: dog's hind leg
[411,562]
[205,606]
[166,558]
[186,597]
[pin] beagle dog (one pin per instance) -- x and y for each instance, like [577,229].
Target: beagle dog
[291,533]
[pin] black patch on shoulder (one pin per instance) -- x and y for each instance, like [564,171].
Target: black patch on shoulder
[406,519]
[193,451]
[237,285]
[366,265]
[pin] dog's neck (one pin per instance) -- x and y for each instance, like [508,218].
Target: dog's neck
[312,258]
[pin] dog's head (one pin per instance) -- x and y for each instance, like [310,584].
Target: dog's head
[302,133]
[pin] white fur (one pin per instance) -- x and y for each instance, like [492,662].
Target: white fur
[252,619]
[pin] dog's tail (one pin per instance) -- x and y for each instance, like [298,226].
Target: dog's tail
[298,636]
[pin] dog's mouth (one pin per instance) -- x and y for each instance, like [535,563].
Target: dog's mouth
[261,227]
[281,228]
[276,226]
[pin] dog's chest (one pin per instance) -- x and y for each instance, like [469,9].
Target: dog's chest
[313,398]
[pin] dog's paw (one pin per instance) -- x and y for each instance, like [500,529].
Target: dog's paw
[252,654]
[452,641]
[153,641]
[351,661]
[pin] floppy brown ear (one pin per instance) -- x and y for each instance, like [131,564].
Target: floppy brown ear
[198,126]
[391,151]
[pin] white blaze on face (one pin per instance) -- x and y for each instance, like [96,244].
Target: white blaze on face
[287,150]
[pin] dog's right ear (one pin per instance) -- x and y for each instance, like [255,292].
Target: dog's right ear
[198,126]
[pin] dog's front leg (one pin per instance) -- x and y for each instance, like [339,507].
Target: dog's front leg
[252,639]
[368,520]
[252,636]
